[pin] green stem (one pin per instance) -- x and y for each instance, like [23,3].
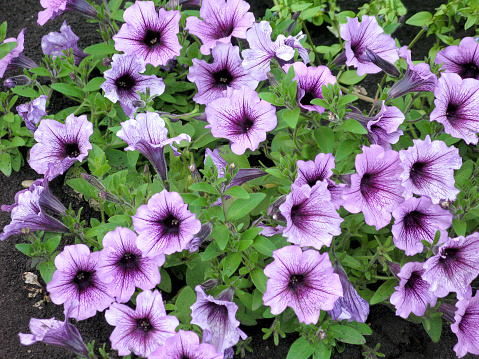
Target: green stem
[362,97]
[419,34]
[310,40]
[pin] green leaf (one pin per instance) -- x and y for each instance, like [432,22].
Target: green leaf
[204,187]
[6,164]
[165,283]
[460,227]
[46,270]
[237,192]
[347,99]
[185,300]
[3,31]
[300,349]
[309,13]
[259,279]
[40,71]
[324,137]
[291,117]
[353,126]
[384,291]
[345,149]
[94,84]
[52,244]
[82,186]
[6,48]
[221,234]
[69,90]
[264,246]
[346,334]
[25,248]
[100,49]
[25,91]
[362,328]
[420,19]
[471,20]
[114,5]
[231,263]
[433,327]
[241,207]
[350,77]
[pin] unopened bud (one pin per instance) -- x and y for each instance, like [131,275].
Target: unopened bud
[393,267]
[106,61]
[72,76]
[139,103]
[146,170]
[231,168]
[226,295]
[273,209]
[20,80]
[195,174]
[210,284]
[200,237]
[272,80]
[445,204]
[201,117]
[93,181]
[107,196]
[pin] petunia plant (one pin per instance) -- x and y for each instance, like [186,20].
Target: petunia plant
[241,175]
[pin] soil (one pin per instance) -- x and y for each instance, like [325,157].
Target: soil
[399,338]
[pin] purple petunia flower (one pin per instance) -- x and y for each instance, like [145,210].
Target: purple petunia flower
[367,46]
[466,322]
[418,78]
[76,278]
[54,8]
[55,43]
[165,225]
[213,80]
[147,134]
[429,169]
[412,294]
[376,187]
[416,219]
[123,82]
[216,316]
[30,211]
[454,267]
[310,81]
[304,281]
[311,219]
[351,306]
[462,60]
[140,331]
[32,112]
[60,145]
[242,117]
[150,35]
[185,345]
[457,106]
[294,42]
[221,21]
[123,267]
[55,332]
[15,59]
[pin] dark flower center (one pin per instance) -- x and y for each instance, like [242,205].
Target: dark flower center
[217,313]
[246,124]
[124,82]
[82,280]
[469,70]
[72,150]
[128,261]
[368,185]
[152,38]
[413,220]
[296,281]
[171,223]
[144,325]
[418,172]
[223,78]
[414,280]
[449,254]
[451,110]
[307,98]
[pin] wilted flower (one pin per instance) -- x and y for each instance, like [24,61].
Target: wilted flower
[76,278]
[310,81]
[462,60]
[150,35]
[457,106]
[32,112]
[123,268]
[140,331]
[20,80]
[466,322]
[304,281]
[221,21]
[429,169]
[412,294]
[53,8]
[15,59]
[185,345]
[376,187]
[454,267]
[311,219]
[243,118]
[294,42]
[60,145]
[213,80]
[367,44]
[123,82]
[200,237]
[55,43]
[165,225]
[55,332]
[416,219]
[216,316]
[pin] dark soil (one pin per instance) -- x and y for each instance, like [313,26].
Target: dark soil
[399,338]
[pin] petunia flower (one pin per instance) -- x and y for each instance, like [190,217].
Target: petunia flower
[59,145]
[34,208]
[57,333]
[147,134]
[462,60]
[32,112]
[124,80]
[149,34]
[429,169]
[412,294]
[123,267]
[165,225]
[418,78]
[304,281]
[15,59]
[416,219]
[454,267]
[367,44]
[185,345]
[376,187]
[294,42]
[55,43]
[142,330]
[457,106]
[54,8]
[213,80]
[76,278]
[242,117]
[216,316]
[310,82]
[311,219]
[466,322]
[221,21]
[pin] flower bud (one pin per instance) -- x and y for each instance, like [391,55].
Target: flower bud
[20,80]
[210,284]
[273,209]
[93,181]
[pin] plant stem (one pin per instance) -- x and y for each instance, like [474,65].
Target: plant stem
[310,40]
[362,97]
[419,34]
